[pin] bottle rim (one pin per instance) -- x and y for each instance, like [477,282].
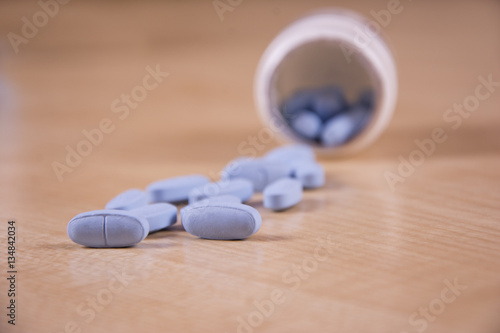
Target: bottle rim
[338,26]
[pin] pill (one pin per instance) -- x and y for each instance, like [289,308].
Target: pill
[275,170]
[328,102]
[244,167]
[282,194]
[307,124]
[291,153]
[310,174]
[222,198]
[159,215]
[175,189]
[129,200]
[222,221]
[239,187]
[360,117]
[298,101]
[108,228]
[337,130]
[219,199]
[260,172]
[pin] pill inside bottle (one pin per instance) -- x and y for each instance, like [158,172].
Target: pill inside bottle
[328,80]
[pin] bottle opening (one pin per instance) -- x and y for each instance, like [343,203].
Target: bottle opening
[325,94]
[320,84]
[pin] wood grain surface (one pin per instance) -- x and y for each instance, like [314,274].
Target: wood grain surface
[354,256]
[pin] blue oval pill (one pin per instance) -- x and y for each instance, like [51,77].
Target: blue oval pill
[282,194]
[219,199]
[239,187]
[227,198]
[128,200]
[328,102]
[297,102]
[222,221]
[307,124]
[360,116]
[175,189]
[107,228]
[291,153]
[337,130]
[310,174]
[159,215]
[260,172]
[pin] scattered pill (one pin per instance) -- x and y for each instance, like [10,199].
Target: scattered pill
[247,168]
[308,124]
[291,153]
[175,189]
[221,221]
[239,187]
[337,130]
[276,170]
[129,200]
[310,174]
[260,172]
[219,199]
[159,215]
[282,194]
[227,198]
[215,210]
[108,228]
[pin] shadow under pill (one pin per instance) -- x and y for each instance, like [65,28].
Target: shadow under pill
[174,228]
[58,246]
[268,238]
[145,245]
[257,204]
[305,205]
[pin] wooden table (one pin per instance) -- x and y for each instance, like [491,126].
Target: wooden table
[354,256]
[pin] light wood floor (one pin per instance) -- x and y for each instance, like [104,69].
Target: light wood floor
[354,256]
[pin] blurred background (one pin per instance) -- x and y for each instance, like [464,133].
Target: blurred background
[90,53]
[65,75]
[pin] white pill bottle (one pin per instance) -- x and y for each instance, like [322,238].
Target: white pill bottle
[329,47]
